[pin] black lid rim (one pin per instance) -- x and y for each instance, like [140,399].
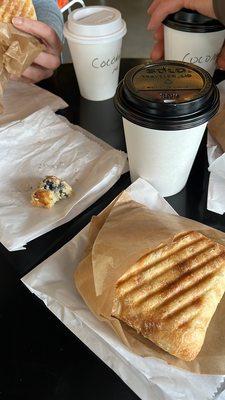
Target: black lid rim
[156,115]
[166,124]
[191,28]
[128,87]
[191,21]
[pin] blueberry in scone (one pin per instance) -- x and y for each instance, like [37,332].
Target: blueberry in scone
[50,190]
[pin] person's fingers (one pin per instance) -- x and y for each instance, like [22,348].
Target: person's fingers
[159,34]
[205,7]
[36,74]
[161,12]
[40,30]
[153,6]
[221,59]
[157,51]
[20,79]
[14,78]
[160,9]
[47,60]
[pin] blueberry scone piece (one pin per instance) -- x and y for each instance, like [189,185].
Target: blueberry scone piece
[50,190]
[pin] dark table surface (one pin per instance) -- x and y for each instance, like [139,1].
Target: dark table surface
[40,357]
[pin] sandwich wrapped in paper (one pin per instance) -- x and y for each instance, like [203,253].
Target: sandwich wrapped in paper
[158,280]
[17,49]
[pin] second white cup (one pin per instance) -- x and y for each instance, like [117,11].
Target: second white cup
[194,38]
[94,36]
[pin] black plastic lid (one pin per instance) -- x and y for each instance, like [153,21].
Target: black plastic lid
[167,95]
[191,21]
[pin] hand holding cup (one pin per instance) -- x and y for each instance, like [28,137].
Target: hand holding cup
[160,9]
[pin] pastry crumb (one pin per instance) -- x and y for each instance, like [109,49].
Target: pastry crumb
[50,190]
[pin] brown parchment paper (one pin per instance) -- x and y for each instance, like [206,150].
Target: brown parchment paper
[119,236]
[217,127]
[17,52]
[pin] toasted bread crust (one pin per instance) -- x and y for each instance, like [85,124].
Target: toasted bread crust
[171,294]
[16,8]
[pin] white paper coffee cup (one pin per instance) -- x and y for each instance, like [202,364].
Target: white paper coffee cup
[165,108]
[193,38]
[94,36]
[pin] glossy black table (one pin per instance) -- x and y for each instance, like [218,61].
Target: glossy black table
[40,358]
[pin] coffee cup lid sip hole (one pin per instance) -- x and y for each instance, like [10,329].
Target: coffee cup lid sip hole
[95,24]
[167,95]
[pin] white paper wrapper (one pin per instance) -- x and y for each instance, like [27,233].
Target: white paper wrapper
[216,158]
[22,99]
[149,378]
[45,144]
[216,190]
[221,396]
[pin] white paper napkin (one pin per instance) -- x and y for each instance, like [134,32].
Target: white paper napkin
[216,158]
[22,99]
[149,378]
[45,144]
[216,189]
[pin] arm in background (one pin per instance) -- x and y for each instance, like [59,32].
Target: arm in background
[48,12]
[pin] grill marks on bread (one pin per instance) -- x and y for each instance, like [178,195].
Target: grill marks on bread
[16,8]
[175,288]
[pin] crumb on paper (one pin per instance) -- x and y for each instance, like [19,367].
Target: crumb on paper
[50,190]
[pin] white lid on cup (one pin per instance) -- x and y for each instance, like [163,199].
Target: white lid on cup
[95,24]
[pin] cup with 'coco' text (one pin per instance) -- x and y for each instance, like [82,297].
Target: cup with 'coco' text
[94,36]
[194,38]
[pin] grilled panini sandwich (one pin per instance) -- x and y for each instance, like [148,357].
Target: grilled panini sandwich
[16,8]
[171,293]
